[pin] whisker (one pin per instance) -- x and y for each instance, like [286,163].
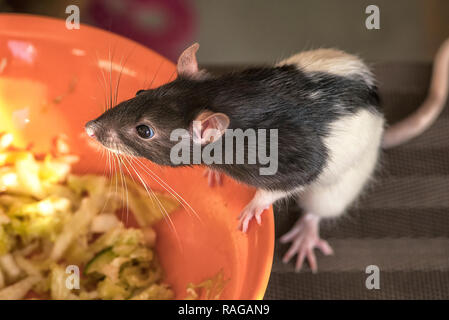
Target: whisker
[164,211]
[121,71]
[167,187]
[157,71]
[171,76]
[126,186]
[115,171]
[104,84]
[118,81]
[142,181]
[154,197]
[121,181]
[145,78]
[108,165]
[110,77]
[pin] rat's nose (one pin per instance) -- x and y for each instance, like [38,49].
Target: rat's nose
[91,127]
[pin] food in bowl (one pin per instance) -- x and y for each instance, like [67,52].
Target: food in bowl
[64,236]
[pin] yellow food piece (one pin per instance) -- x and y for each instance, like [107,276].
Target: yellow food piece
[209,289]
[5,140]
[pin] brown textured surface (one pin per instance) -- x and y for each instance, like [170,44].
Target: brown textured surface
[401,223]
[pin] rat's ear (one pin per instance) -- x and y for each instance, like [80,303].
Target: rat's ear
[187,64]
[209,126]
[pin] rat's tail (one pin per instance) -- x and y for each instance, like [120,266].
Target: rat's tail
[428,112]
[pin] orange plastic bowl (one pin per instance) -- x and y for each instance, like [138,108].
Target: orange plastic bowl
[53,80]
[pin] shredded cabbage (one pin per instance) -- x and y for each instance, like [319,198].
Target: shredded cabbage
[19,289]
[51,219]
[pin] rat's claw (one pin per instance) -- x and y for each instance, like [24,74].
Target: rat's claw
[245,217]
[244,222]
[304,237]
[258,218]
[251,211]
[213,177]
[325,248]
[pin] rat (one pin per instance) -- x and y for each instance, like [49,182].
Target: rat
[330,130]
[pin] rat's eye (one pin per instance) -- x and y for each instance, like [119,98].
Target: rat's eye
[139,92]
[144,131]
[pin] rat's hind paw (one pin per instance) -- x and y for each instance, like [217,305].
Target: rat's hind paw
[213,177]
[305,238]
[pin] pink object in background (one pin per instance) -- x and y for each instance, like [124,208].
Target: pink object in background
[165,26]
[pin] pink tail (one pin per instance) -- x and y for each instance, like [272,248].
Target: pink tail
[428,112]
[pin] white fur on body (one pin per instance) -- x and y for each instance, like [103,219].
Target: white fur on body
[353,143]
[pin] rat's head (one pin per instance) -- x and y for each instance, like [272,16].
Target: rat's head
[142,125]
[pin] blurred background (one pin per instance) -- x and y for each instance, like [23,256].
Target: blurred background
[261,31]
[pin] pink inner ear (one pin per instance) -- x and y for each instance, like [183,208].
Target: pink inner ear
[210,130]
[209,127]
[187,63]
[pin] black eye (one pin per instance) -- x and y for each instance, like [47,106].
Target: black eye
[144,131]
[139,92]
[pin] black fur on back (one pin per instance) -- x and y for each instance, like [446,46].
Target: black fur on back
[300,105]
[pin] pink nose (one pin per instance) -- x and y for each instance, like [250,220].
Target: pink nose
[90,129]
[90,132]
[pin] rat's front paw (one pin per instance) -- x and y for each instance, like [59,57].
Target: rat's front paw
[249,212]
[213,177]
